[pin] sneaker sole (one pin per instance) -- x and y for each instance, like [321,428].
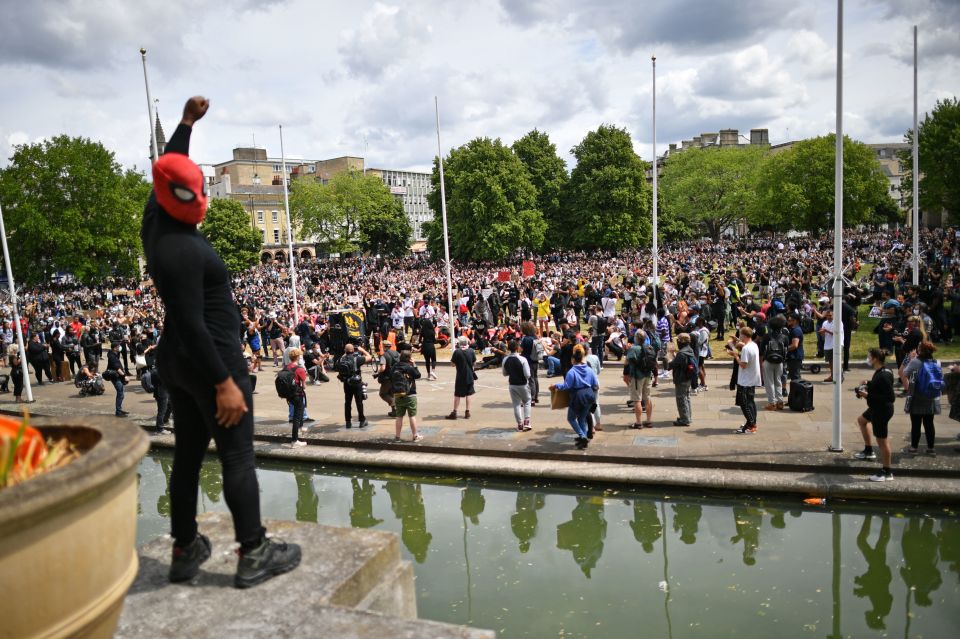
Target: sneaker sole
[249,582]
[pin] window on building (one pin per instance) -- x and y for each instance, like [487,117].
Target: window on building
[263,235]
[260,217]
[275,216]
[276,236]
[276,167]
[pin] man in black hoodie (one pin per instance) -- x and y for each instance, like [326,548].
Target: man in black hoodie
[201,364]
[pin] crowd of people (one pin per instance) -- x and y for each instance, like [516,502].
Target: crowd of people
[760,296]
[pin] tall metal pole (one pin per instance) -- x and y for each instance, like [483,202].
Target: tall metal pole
[656,259]
[837,445]
[916,171]
[150,115]
[443,209]
[286,206]
[16,311]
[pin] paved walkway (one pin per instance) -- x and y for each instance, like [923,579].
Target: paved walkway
[786,441]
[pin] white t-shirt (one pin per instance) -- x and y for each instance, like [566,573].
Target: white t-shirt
[828,335]
[749,375]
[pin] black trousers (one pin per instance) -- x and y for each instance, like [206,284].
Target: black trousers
[74,359]
[194,406]
[793,368]
[352,393]
[299,403]
[40,367]
[748,404]
[847,337]
[429,351]
[928,430]
[164,405]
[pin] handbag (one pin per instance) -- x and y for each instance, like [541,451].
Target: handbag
[140,361]
[559,399]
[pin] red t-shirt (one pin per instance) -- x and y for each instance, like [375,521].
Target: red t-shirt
[299,374]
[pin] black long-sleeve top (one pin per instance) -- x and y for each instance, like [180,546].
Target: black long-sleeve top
[880,393]
[202,323]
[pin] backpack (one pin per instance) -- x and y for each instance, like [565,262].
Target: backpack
[642,360]
[539,353]
[391,358]
[347,369]
[285,384]
[400,380]
[146,380]
[929,380]
[776,351]
[777,307]
[688,369]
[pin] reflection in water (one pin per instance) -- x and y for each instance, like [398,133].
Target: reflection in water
[686,521]
[646,524]
[524,521]
[747,520]
[472,504]
[406,499]
[583,535]
[875,583]
[920,571]
[689,557]
[307,499]
[361,514]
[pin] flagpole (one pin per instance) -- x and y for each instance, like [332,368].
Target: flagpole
[656,260]
[916,171]
[286,206]
[150,114]
[443,209]
[837,445]
[16,313]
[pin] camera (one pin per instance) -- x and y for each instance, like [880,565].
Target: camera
[861,389]
[363,388]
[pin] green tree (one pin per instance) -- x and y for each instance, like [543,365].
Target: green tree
[939,157]
[704,191]
[796,186]
[607,202]
[352,212]
[227,227]
[70,207]
[548,173]
[491,203]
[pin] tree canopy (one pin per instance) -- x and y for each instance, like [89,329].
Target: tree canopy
[795,187]
[352,212]
[227,227]
[548,173]
[69,207]
[939,158]
[491,203]
[704,191]
[607,202]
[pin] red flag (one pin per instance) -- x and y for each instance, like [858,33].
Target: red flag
[503,276]
[527,268]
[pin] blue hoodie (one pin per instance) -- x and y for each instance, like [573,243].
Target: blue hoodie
[582,383]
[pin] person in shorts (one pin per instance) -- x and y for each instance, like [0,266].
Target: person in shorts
[406,403]
[880,398]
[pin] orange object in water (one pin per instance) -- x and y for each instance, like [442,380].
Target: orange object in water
[32,444]
[815,501]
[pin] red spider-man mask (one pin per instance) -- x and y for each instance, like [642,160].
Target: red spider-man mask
[178,183]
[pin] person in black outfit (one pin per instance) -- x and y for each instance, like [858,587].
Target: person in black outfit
[880,398]
[116,376]
[71,346]
[428,346]
[201,363]
[57,355]
[39,357]
[353,386]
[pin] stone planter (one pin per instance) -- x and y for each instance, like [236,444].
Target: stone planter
[67,537]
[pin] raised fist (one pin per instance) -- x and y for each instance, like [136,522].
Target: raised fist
[194,109]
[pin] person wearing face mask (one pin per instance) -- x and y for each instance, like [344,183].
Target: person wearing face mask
[201,362]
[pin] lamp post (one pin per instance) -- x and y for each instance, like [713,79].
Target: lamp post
[836,445]
[153,137]
[16,312]
[916,171]
[286,206]
[656,259]
[443,209]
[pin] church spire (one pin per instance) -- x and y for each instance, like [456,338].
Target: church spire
[158,132]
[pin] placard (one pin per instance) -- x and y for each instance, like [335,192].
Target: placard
[528,268]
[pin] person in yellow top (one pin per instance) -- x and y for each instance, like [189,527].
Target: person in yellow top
[543,313]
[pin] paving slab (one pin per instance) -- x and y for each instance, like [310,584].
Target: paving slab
[785,441]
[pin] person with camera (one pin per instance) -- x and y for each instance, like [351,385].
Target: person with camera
[115,375]
[388,360]
[880,398]
[38,356]
[349,368]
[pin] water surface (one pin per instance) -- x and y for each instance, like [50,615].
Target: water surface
[532,560]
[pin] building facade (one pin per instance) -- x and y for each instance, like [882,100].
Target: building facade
[411,188]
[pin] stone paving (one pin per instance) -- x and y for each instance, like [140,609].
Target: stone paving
[785,440]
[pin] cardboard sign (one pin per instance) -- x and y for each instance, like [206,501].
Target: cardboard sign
[528,268]
[503,276]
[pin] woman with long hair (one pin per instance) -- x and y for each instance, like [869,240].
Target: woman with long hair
[924,380]
[582,384]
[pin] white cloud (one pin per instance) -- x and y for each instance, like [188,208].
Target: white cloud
[386,37]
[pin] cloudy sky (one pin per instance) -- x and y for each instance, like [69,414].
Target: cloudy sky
[337,74]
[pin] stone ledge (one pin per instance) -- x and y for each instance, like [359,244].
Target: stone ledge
[344,572]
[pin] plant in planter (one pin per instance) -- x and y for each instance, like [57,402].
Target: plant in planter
[24,453]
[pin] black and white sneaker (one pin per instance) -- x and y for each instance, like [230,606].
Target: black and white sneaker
[866,455]
[883,475]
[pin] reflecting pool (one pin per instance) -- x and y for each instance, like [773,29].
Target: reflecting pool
[531,560]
